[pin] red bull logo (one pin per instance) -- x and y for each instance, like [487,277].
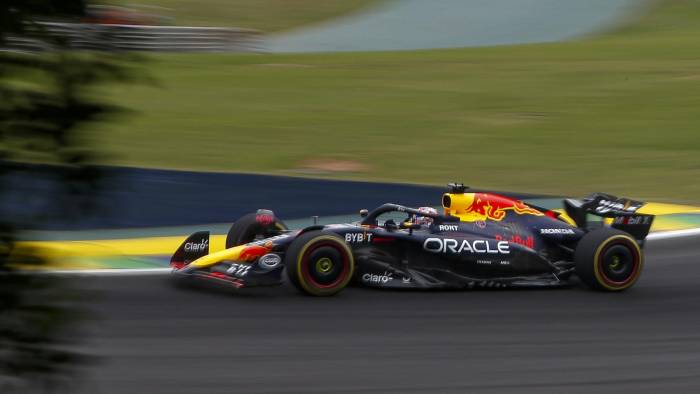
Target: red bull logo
[252,252]
[495,207]
[528,242]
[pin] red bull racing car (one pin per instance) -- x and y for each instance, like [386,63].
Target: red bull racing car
[480,240]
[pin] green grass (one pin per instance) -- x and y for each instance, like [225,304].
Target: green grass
[266,15]
[617,113]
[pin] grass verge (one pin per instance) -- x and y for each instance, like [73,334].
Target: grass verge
[616,113]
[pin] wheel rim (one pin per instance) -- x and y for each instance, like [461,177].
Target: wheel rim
[618,264]
[325,265]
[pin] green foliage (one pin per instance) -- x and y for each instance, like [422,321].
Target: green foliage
[16,16]
[45,102]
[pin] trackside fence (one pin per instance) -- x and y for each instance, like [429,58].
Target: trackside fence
[86,36]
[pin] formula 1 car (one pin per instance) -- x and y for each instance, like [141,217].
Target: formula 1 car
[482,240]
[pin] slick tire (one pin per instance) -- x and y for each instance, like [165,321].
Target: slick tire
[319,263]
[248,228]
[608,260]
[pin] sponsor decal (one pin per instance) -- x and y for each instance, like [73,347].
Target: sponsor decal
[528,242]
[264,219]
[632,220]
[270,260]
[494,207]
[448,227]
[453,246]
[358,238]
[605,206]
[238,270]
[378,279]
[480,224]
[489,262]
[559,231]
[197,246]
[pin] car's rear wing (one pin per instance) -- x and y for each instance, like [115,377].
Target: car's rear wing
[622,211]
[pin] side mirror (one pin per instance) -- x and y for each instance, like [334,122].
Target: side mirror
[364,213]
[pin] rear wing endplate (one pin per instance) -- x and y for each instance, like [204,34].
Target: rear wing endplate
[622,211]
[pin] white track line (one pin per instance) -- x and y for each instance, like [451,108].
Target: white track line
[161,271]
[112,271]
[674,234]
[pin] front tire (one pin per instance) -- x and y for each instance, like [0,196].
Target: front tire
[319,263]
[608,259]
[250,227]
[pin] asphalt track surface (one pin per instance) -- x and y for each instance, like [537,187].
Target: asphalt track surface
[152,337]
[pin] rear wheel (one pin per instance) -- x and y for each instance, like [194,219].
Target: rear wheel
[319,263]
[608,259]
[253,226]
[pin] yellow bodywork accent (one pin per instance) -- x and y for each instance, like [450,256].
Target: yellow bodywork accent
[564,217]
[213,258]
[459,202]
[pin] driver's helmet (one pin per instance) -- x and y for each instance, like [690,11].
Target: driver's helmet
[425,220]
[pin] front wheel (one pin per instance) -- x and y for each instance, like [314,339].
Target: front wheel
[319,263]
[254,226]
[608,259]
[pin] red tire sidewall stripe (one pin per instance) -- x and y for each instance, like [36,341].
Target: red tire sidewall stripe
[635,271]
[306,273]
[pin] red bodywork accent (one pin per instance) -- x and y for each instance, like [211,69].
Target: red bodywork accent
[552,214]
[252,252]
[237,283]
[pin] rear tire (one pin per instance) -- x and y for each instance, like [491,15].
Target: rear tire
[319,263]
[608,259]
[248,228]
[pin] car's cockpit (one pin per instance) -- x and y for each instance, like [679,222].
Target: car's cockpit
[394,217]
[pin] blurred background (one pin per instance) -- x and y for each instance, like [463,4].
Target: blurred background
[551,97]
[125,125]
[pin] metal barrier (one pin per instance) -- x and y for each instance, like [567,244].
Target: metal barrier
[145,38]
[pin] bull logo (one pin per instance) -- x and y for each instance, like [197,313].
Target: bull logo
[495,207]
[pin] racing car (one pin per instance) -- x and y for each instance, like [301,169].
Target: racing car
[479,240]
